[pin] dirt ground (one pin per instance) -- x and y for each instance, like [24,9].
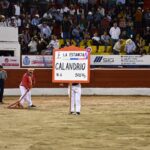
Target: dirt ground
[105,123]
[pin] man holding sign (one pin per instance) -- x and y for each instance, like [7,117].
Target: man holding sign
[75,98]
[71,65]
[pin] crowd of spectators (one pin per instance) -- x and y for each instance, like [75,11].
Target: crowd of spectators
[102,22]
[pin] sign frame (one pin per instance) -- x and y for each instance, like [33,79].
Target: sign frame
[70,81]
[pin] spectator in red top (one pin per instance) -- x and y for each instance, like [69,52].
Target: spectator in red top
[28,80]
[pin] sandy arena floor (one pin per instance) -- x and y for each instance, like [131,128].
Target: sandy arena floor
[105,123]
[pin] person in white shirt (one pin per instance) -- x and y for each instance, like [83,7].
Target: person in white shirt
[33,45]
[17,9]
[114,33]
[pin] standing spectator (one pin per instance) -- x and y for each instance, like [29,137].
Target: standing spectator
[130,47]
[114,33]
[147,17]
[33,45]
[138,19]
[4,7]
[147,35]
[66,28]
[35,20]
[45,30]
[28,80]
[3,76]
[76,34]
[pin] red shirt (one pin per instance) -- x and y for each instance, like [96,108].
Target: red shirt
[27,80]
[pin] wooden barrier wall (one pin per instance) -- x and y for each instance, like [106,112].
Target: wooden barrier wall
[106,78]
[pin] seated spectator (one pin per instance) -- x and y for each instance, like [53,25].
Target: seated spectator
[105,39]
[130,47]
[140,44]
[12,22]
[117,47]
[96,41]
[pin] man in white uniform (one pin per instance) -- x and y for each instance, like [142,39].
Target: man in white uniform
[75,98]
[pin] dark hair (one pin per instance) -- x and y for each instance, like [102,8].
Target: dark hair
[1,66]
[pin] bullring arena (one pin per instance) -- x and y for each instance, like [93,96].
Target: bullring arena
[111,122]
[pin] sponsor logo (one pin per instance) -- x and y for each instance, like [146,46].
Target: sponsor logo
[98,59]
[26,60]
[89,49]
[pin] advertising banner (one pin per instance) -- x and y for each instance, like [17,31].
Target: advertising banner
[10,62]
[38,61]
[120,60]
[97,60]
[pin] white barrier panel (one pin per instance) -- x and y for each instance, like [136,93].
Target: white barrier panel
[124,60]
[8,34]
[10,62]
[85,91]
[42,61]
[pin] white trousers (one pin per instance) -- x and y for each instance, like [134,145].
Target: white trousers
[75,98]
[27,97]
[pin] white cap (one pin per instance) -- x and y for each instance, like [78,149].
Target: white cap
[89,13]
[36,15]
[128,41]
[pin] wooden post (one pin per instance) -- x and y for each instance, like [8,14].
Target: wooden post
[70,85]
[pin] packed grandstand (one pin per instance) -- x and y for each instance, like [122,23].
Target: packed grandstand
[107,26]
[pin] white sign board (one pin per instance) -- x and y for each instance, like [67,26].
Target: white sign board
[10,62]
[71,66]
[44,61]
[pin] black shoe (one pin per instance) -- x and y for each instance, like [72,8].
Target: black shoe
[77,113]
[72,113]
[32,106]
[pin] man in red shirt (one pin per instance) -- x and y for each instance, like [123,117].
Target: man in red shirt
[28,80]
